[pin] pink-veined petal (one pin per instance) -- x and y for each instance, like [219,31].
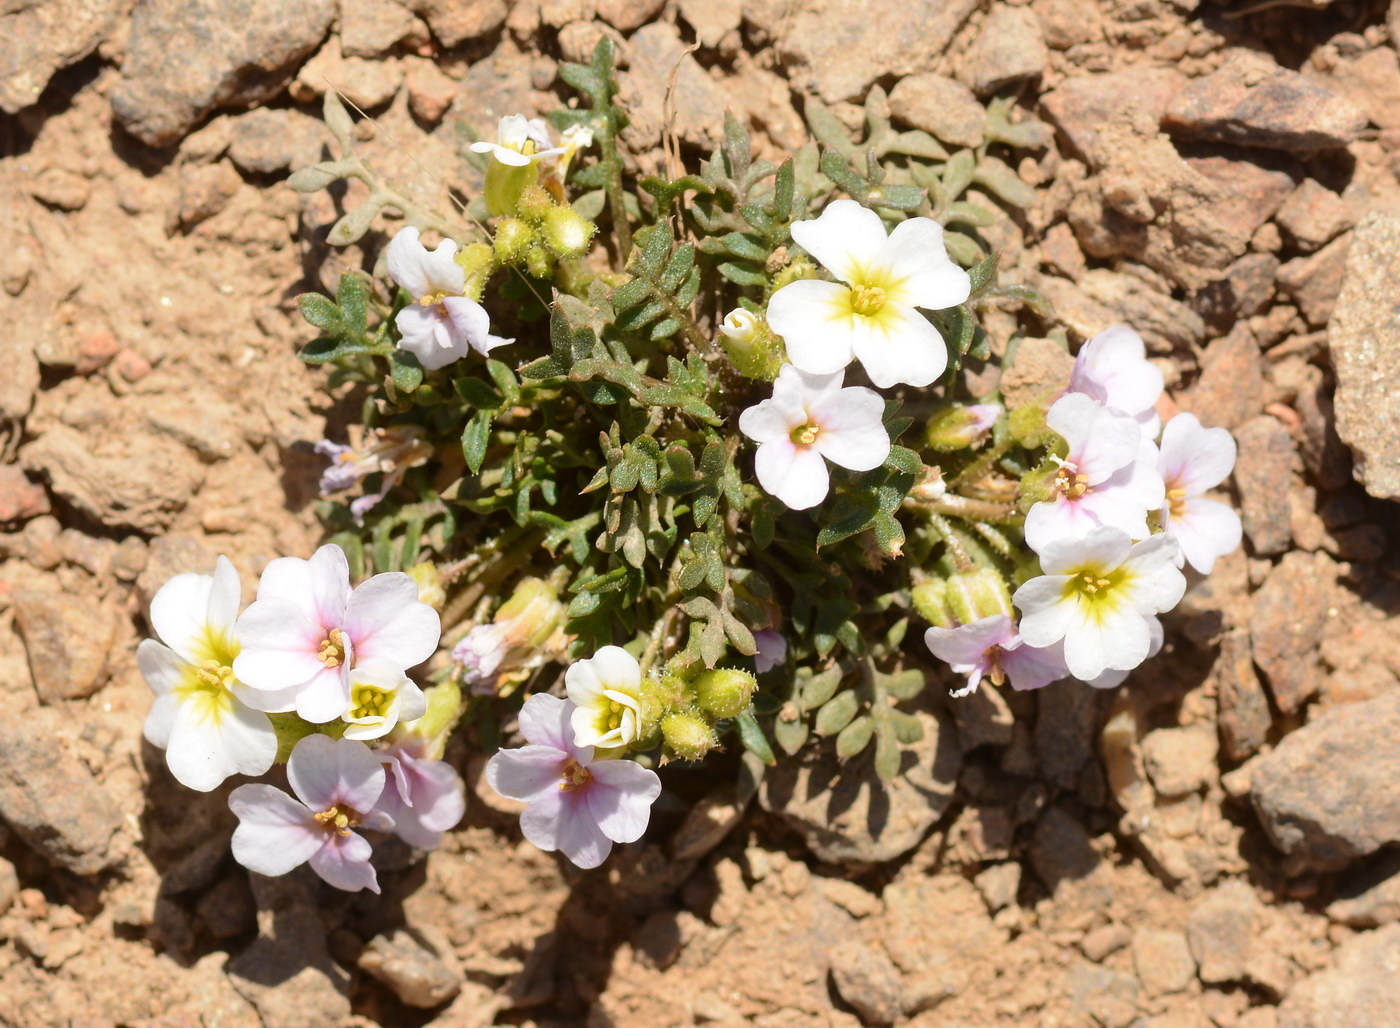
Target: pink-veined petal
[1057,521]
[1195,458]
[1101,440]
[544,720]
[526,772]
[386,621]
[968,644]
[620,797]
[1113,368]
[324,772]
[844,238]
[917,259]
[814,320]
[1033,667]
[279,646]
[275,833]
[898,345]
[344,863]
[796,475]
[852,433]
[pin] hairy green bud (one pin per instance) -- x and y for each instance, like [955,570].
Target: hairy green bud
[978,594]
[1028,427]
[513,238]
[534,203]
[538,262]
[662,693]
[477,261]
[567,232]
[438,721]
[725,692]
[1037,484]
[752,348]
[794,272]
[931,603]
[958,427]
[688,735]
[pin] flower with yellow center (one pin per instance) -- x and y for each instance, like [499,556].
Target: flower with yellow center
[380,697]
[199,718]
[1193,460]
[606,690]
[1098,594]
[871,314]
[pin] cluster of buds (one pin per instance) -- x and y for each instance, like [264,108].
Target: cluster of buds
[313,673]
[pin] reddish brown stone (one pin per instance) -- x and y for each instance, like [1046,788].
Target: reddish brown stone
[1290,615]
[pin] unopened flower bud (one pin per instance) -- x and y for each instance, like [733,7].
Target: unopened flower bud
[958,427]
[1038,484]
[725,692]
[688,735]
[795,272]
[538,262]
[751,347]
[477,261]
[931,603]
[513,238]
[1028,427]
[567,232]
[430,588]
[978,594]
[534,203]
[662,693]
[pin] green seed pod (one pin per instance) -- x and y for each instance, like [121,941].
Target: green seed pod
[725,692]
[978,594]
[663,692]
[688,735]
[931,603]
[513,238]
[567,232]
[537,262]
[534,203]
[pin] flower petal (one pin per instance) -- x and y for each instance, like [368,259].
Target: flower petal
[1206,531]
[1195,458]
[344,862]
[1031,667]
[1105,638]
[161,666]
[472,321]
[1046,612]
[1154,584]
[1113,368]
[179,615]
[527,772]
[386,621]
[814,320]
[160,719]
[852,433]
[620,797]
[324,772]
[898,345]
[205,750]
[843,239]
[279,646]
[225,597]
[917,259]
[968,644]
[796,475]
[275,833]
[420,271]
[771,420]
[1102,550]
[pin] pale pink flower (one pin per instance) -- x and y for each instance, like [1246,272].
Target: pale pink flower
[337,783]
[574,803]
[992,648]
[1193,460]
[772,649]
[441,325]
[872,315]
[809,420]
[424,797]
[1113,368]
[1097,594]
[307,629]
[390,451]
[1108,478]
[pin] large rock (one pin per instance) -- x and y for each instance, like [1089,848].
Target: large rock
[1362,987]
[1219,932]
[421,974]
[38,37]
[841,47]
[187,57]
[1288,620]
[1009,47]
[1372,898]
[1231,389]
[1251,101]
[68,638]
[51,800]
[1264,478]
[941,106]
[1364,337]
[1328,792]
[847,815]
[1081,106]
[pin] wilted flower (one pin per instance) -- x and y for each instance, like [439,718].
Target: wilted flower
[424,797]
[772,649]
[528,631]
[574,803]
[1096,594]
[809,420]
[991,647]
[441,325]
[1193,460]
[1113,369]
[873,316]
[606,692]
[389,451]
[1103,480]
[338,782]
[208,733]
[381,696]
[307,629]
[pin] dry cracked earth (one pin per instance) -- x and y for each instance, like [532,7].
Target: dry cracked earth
[1215,844]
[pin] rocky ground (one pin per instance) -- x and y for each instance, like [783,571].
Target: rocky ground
[1216,843]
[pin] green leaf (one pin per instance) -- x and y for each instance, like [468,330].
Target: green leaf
[837,713]
[478,393]
[474,439]
[405,370]
[753,738]
[903,685]
[820,688]
[791,735]
[853,739]
[887,754]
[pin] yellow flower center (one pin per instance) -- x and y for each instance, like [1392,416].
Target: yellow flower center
[574,776]
[867,300]
[332,652]
[338,819]
[1176,497]
[370,701]
[805,435]
[1071,483]
[1091,582]
[994,670]
[214,675]
[433,299]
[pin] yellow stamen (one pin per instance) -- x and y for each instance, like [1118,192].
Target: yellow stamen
[370,702]
[806,435]
[867,300]
[339,819]
[433,299]
[332,652]
[1177,499]
[574,776]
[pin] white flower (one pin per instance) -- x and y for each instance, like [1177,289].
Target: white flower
[606,691]
[1113,369]
[1096,595]
[1194,459]
[1108,478]
[574,138]
[1113,679]
[992,647]
[521,141]
[739,327]
[872,318]
[441,326]
[809,420]
[206,730]
[381,696]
